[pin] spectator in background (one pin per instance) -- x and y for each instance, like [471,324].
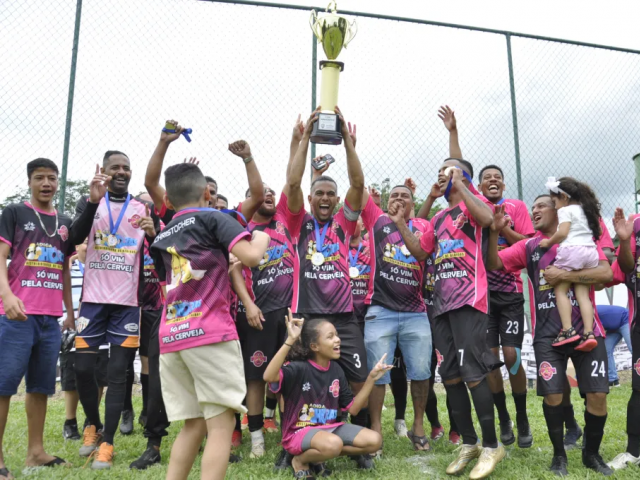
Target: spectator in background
[222,204]
[615,321]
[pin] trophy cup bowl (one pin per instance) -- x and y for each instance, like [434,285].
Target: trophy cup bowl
[334,32]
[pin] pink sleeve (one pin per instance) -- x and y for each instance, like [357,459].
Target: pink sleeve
[243,236]
[370,213]
[514,258]
[2,239]
[605,237]
[524,225]
[294,220]
[601,255]
[618,275]
[427,240]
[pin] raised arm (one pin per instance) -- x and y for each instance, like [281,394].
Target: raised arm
[296,136]
[361,399]
[413,243]
[479,210]
[86,209]
[426,207]
[293,188]
[511,236]
[355,194]
[448,117]
[256,188]
[294,329]
[499,222]
[624,230]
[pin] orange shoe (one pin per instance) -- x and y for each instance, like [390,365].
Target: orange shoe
[236,439]
[104,458]
[245,422]
[91,441]
[270,425]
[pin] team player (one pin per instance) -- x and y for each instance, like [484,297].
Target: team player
[591,367]
[33,288]
[360,259]
[116,224]
[627,269]
[461,312]
[197,333]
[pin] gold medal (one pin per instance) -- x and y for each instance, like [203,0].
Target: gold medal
[112,240]
[317,259]
[405,251]
[354,272]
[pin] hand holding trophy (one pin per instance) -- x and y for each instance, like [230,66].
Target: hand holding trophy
[334,32]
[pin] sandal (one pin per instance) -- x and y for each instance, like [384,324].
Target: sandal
[588,342]
[304,474]
[566,336]
[419,442]
[54,462]
[5,473]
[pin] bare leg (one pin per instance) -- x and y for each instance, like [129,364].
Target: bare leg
[185,448]
[255,397]
[324,446]
[419,395]
[564,304]
[586,307]
[36,407]
[215,458]
[4,413]
[376,401]
[367,441]
[144,365]
[71,400]
[519,380]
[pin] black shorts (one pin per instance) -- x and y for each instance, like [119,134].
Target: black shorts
[149,320]
[635,357]
[259,346]
[68,371]
[353,354]
[459,337]
[506,320]
[591,367]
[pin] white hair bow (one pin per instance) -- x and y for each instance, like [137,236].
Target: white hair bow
[553,186]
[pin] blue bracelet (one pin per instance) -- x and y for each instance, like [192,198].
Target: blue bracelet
[185,132]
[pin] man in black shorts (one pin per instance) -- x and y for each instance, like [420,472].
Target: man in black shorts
[591,367]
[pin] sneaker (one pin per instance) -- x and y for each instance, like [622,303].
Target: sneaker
[245,422]
[454,438]
[623,460]
[236,439]
[126,424]
[257,449]
[364,462]
[506,433]
[571,438]
[149,457]
[487,462]
[104,458]
[70,432]
[615,383]
[594,462]
[270,425]
[401,428]
[283,460]
[437,432]
[234,458]
[525,437]
[467,453]
[559,466]
[142,419]
[92,439]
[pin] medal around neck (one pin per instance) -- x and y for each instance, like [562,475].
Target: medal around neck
[317,259]
[354,272]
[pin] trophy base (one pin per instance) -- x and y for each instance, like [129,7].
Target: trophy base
[327,130]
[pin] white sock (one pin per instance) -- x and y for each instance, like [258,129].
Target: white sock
[269,412]
[257,437]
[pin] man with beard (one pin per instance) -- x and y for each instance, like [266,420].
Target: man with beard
[552,361]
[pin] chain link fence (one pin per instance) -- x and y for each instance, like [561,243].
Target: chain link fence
[232,71]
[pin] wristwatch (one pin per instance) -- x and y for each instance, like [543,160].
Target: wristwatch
[248,159]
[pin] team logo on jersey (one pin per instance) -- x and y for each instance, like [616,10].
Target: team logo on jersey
[103,240]
[446,249]
[460,221]
[430,281]
[131,327]
[386,230]
[543,282]
[399,255]
[148,262]
[279,228]
[273,256]
[535,257]
[258,359]
[81,324]
[43,255]
[636,366]
[63,231]
[306,413]
[331,251]
[29,227]
[134,221]
[439,357]
[546,371]
[181,271]
[306,387]
[335,388]
[179,311]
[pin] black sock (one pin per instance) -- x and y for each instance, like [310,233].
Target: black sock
[461,411]
[256,422]
[432,409]
[271,404]
[633,424]
[71,421]
[144,381]
[128,404]
[87,386]
[119,360]
[361,418]
[520,399]
[593,431]
[399,389]
[554,417]
[500,400]
[238,425]
[569,417]
[482,402]
[452,421]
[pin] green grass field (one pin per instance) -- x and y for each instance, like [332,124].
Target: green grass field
[399,462]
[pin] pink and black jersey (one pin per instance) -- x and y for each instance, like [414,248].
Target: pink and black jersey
[397,275]
[194,249]
[315,397]
[545,319]
[429,284]
[323,288]
[520,222]
[605,237]
[37,260]
[630,280]
[460,274]
[360,258]
[273,278]
[152,294]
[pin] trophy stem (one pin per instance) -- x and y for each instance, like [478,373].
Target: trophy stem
[330,84]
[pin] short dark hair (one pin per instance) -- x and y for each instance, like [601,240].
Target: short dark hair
[402,186]
[466,164]
[184,183]
[490,167]
[324,178]
[33,165]
[211,180]
[540,196]
[109,153]
[221,197]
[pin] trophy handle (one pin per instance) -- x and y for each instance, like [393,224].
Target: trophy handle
[351,33]
[315,27]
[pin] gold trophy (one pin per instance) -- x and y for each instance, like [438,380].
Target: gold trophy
[334,32]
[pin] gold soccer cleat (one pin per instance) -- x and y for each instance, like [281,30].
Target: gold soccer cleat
[467,453]
[489,458]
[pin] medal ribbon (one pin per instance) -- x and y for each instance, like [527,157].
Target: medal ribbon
[81,267]
[450,184]
[353,259]
[113,229]
[185,132]
[320,236]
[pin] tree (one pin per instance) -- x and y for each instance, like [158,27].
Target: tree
[75,190]
[418,205]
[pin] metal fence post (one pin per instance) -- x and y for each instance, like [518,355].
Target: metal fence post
[514,114]
[314,73]
[67,126]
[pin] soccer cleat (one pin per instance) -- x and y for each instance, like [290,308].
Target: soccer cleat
[270,425]
[571,438]
[401,428]
[149,457]
[467,453]
[594,462]
[283,460]
[489,458]
[437,432]
[245,422]
[615,383]
[126,424]
[257,449]
[559,466]
[506,433]
[92,439]
[454,438]
[236,439]
[525,437]
[234,458]
[104,458]
[623,460]
[364,462]
[70,432]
